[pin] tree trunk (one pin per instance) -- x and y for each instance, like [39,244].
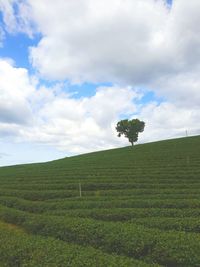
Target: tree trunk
[132,144]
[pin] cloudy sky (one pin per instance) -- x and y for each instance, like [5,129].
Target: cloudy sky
[69,70]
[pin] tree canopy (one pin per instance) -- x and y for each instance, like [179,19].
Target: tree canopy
[130,129]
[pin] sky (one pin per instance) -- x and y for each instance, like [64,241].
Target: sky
[70,70]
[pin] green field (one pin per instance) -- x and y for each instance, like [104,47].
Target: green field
[140,206]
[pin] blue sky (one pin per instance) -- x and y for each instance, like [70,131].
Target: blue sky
[69,72]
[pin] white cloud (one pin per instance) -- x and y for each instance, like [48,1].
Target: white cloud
[120,41]
[15,90]
[183,32]
[80,125]
[6,7]
[17,17]
[181,89]
[39,115]
[99,40]
[34,113]
[140,42]
[166,120]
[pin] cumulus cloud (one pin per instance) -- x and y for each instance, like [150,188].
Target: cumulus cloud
[34,113]
[85,124]
[96,40]
[17,17]
[82,124]
[15,90]
[166,120]
[120,41]
[182,89]
[141,42]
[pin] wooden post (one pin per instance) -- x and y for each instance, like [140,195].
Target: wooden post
[188,160]
[80,193]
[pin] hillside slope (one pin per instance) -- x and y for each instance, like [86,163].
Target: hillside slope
[140,204]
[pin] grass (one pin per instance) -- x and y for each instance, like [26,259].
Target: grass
[139,207]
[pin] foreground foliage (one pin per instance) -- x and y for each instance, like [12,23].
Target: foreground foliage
[19,249]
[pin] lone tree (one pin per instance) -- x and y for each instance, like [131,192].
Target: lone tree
[130,129]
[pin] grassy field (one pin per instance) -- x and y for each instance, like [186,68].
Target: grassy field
[139,207]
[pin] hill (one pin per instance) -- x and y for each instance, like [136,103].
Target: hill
[140,206]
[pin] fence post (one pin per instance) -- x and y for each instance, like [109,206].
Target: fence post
[80,191]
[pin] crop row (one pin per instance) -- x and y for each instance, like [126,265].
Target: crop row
[168,248]
[116,172]
[112,185]
[186,224]
[135,194]
[20,249]
[104,173]
[92,184]
[140,215]
[81,203]
[103,183]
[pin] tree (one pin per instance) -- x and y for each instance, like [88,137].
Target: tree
[130,129]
